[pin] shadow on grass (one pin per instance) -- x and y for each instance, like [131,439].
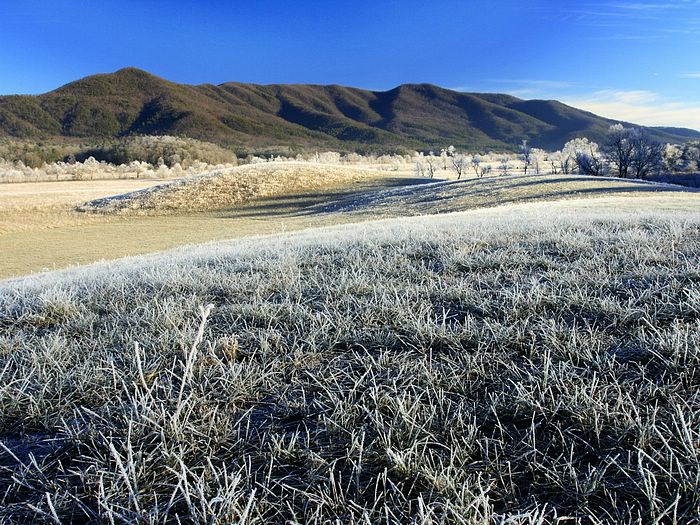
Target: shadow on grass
[419,195]
[316,203]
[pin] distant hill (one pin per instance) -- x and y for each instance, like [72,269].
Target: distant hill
[424,116]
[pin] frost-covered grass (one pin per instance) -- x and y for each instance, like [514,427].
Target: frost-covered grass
[507,366]
[496,190]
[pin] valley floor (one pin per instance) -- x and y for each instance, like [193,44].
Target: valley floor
[40,229]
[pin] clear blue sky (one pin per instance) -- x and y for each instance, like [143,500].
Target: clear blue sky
[638,60]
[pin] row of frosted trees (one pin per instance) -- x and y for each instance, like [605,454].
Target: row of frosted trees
[625,152]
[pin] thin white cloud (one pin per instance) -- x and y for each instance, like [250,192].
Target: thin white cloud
[690,75]
[640,20]
[641,6]
[650,6]
[640,107]
[535,83]
[637,106]
[645,37]
[520,88]
[633,97]
[526,93]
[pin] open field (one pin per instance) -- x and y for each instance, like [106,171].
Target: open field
[229,188]
[248,300]
[40,229]
[520,365]
[46,205]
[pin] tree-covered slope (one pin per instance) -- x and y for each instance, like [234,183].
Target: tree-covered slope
[131,101]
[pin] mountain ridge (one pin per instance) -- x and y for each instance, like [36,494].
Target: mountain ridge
[410,116]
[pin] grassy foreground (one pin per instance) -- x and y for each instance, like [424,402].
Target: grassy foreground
[498,366]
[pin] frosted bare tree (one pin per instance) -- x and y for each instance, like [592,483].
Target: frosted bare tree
[632,152]
[647,155]
[586,157]
[419,170]
[554,163]
[445,154]
[459,164]
[538,157]
[691,156]
[673,158]
[618,149]
[476,163]
[504,165]
[590,163]
[526,155]
[429,166]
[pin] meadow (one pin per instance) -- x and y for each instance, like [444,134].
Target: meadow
[513,349]
[41,228]
[51,225]
[514,365]
[228,299]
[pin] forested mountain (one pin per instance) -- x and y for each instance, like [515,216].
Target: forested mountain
[410,116]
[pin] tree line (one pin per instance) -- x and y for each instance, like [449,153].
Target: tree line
[155,150]
[624,152]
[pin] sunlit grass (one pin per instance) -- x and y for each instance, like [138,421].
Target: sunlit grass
[508,365]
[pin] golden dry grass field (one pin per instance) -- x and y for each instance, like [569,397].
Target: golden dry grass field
[40,228]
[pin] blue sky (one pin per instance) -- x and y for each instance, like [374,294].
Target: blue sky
[633,60]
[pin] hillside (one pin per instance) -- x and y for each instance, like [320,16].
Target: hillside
[131,101]
[230,188]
